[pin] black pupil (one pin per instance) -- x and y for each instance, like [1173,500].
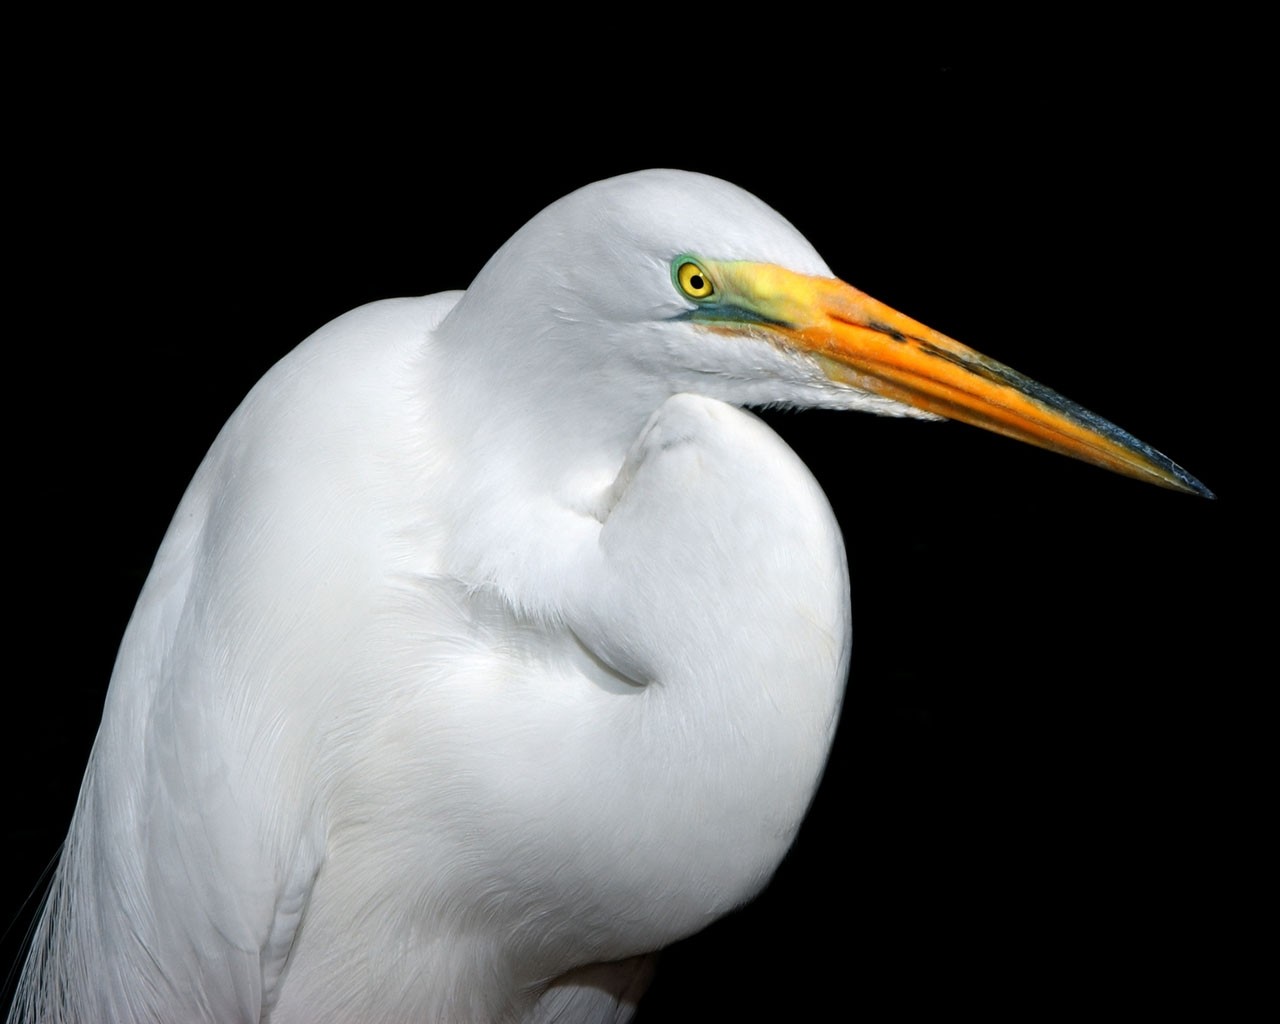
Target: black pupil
[695,282]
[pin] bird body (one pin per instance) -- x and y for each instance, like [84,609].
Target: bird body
[493,647]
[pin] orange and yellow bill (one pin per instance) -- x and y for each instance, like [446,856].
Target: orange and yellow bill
[869,346]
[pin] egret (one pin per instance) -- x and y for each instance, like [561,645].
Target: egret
[494,646]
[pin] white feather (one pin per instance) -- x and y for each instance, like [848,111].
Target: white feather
[417,712]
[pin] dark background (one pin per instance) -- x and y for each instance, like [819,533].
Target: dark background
[1043,790]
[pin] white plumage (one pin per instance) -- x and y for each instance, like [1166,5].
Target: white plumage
[492,640]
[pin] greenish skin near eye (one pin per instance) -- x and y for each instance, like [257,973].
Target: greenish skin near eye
[693,280]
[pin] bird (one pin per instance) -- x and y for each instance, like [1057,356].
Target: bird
[497,644]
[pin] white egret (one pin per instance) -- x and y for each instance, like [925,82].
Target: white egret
[493,646]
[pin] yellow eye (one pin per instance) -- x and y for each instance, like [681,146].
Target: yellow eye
[693,280]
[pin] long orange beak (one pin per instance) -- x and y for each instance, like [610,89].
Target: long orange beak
[869,346]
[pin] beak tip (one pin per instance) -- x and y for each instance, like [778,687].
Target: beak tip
[1194,486]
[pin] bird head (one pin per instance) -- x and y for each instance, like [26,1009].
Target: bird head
[661,282]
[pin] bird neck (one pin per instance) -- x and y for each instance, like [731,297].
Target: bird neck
[535,439]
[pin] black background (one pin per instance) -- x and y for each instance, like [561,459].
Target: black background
[1042,792]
